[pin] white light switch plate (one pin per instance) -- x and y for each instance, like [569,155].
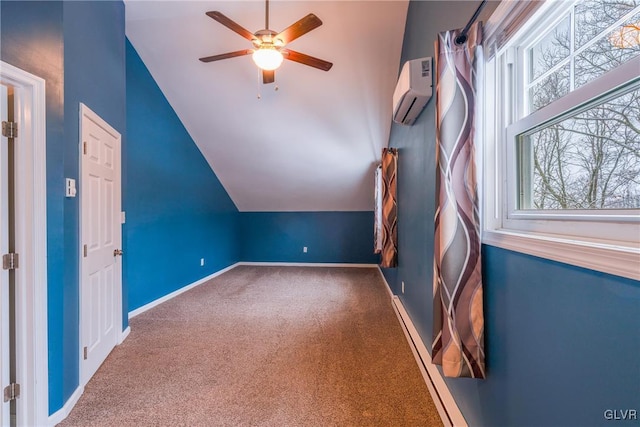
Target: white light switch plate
[70,187]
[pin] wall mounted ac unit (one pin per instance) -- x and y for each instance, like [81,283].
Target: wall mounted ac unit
[413,91]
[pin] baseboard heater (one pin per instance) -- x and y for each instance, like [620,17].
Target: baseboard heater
[446,405]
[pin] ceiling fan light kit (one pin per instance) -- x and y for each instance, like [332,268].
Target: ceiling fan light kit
[269,49]
[267,58]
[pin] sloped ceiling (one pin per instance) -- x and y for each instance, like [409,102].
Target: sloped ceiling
[310,141]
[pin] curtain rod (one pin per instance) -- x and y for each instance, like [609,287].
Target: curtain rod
[463,35]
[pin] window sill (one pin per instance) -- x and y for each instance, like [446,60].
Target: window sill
[604,257]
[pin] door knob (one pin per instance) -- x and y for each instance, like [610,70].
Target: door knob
[117,252]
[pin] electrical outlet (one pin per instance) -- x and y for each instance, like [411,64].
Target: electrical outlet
[201,262]
[304,249]
[403,286]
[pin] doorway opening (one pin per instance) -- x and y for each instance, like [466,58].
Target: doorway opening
[23,339]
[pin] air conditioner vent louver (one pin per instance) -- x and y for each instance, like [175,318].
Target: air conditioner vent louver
[404,118]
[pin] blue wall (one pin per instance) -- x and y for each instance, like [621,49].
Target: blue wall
[343,237]
[177,210]
[31,38]
[94,71]
[561,341]
[69,45]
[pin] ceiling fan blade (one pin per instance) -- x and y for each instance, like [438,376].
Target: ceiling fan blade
[320,64]
[227,55]
[268,76]
[232,25]
[299,28]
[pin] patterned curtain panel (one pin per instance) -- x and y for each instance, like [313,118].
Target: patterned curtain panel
[389,170]
[458,335]
[377,222]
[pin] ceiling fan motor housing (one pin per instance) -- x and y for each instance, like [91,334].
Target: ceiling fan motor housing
[266,38]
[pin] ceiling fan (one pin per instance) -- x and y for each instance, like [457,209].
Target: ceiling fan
[270,46]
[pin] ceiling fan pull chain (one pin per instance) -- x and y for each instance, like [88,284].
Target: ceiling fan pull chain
[259,94]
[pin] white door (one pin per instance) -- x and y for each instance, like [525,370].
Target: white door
[101,240]
[4,274]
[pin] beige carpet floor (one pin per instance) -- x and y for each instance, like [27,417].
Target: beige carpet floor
[264,346]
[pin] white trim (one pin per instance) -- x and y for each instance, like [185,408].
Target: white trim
[31,243]
[446,405]
[5,353]
[619,261]
[309,264]
[384,279]
[64,412]
[616,227]
[124,335]
[174,294]
[580,99]
[504,16]
[586,241]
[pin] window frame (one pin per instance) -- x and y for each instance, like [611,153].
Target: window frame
[607,241]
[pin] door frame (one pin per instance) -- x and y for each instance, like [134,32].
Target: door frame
[5,344]
[31,244]
[117,306]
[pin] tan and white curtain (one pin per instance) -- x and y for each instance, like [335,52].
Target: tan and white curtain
[458,335]
[386,212]
[377,228]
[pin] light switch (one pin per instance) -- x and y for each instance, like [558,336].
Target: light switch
[70,187]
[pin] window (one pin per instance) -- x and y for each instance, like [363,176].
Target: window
[585,160]
[562,171]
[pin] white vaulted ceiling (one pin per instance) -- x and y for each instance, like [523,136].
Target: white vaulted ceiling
[310,145]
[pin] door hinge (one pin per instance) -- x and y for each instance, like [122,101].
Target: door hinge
[84,147]
[85,353]
[10,129]
[10,261]
[84,251]
[11,392]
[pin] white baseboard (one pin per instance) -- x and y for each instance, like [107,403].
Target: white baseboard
[64,412]
[384,279]
[309,264]
[124,335]
[167,297]
[174,294]
[445,403]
